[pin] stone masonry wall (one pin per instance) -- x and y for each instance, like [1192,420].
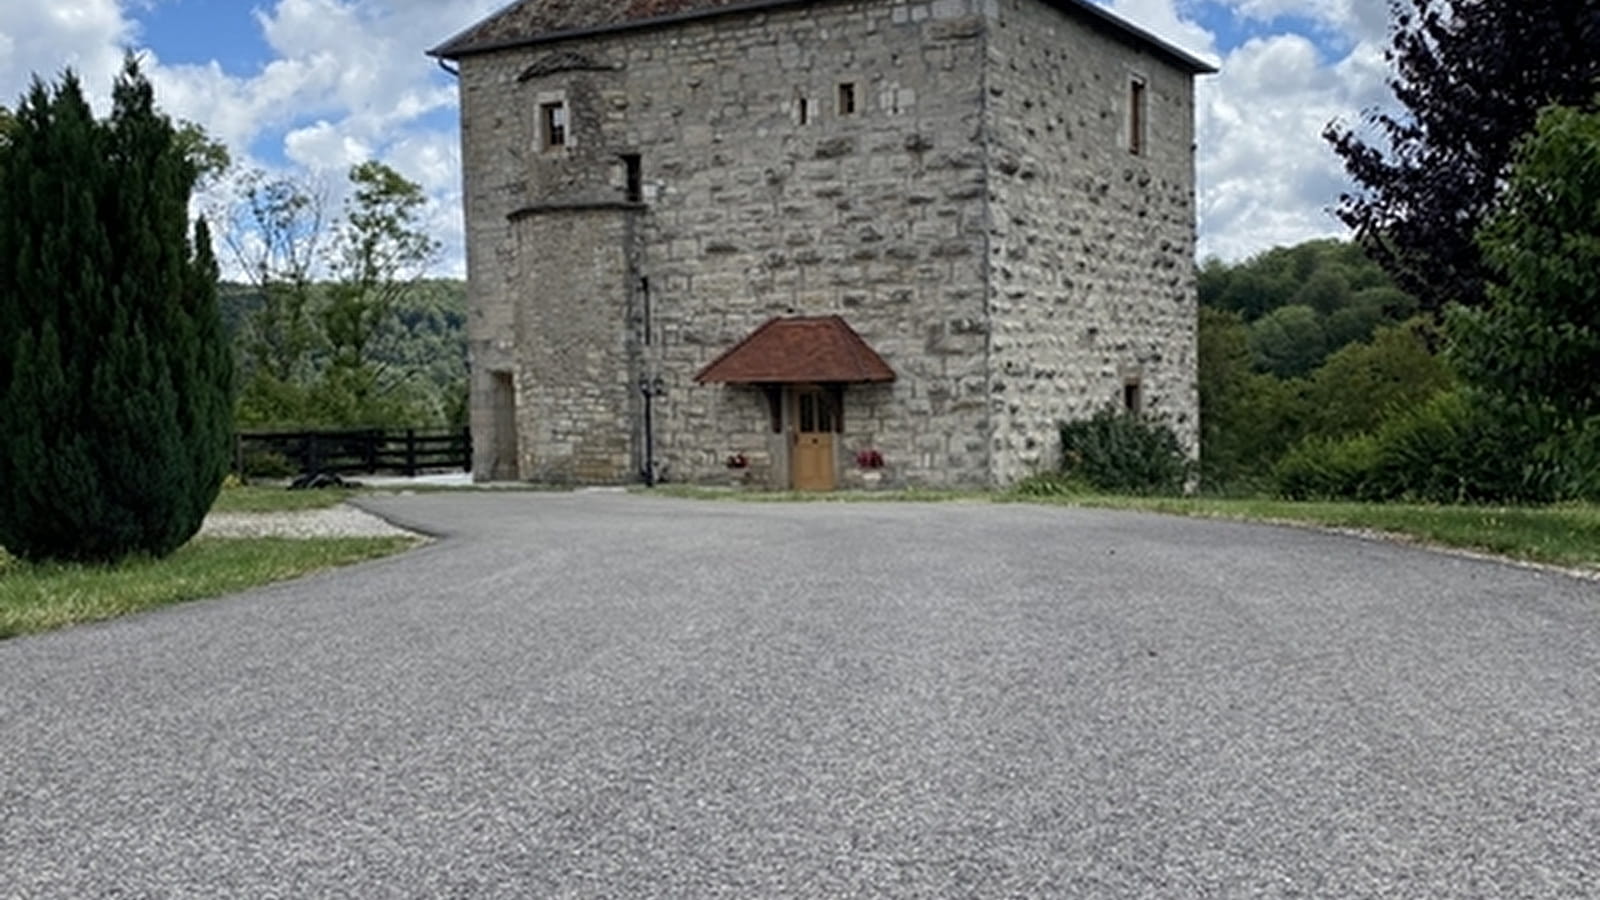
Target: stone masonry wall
[974,152]
[875,215]
[749,213]
[576,397]
[1092,245]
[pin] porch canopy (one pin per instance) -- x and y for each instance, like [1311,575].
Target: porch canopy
[799,350]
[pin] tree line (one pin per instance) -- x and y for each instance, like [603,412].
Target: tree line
[1467,371]
[418,356]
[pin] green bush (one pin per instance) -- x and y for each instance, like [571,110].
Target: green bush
[1123,453]
[1323,468]
[1459,447]
[1573,457]
[1047,484]
[268,464]
[1463,447]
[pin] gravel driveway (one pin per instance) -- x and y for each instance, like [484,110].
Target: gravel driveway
[343,520]
[619,696]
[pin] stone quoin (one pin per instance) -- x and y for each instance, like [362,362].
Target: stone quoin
[761,241]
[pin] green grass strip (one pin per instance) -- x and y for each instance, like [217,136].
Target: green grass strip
[277,499]
[1564,535]
[43,596]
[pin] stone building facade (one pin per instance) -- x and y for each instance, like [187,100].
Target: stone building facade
[992,198]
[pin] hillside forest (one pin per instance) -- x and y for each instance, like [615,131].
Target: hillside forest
[419,357]
[1303,345]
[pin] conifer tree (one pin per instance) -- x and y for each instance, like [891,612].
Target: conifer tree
[115,390]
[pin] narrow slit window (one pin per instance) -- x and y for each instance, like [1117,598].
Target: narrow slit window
[847,98]
[1136,116]
[634,163]
[1133,398]
[553,124]
[805,111]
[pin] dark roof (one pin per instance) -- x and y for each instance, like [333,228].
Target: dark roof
[540,21]
[798,351]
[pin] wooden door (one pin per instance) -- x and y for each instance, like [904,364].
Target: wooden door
[814,422]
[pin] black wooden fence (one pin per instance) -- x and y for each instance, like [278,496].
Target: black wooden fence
[407,451]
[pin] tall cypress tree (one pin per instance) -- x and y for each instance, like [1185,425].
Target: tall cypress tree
[115,376]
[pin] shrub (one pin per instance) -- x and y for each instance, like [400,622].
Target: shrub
[1324,468]
[1123,453]
[1459,447]
[1047,484]
[268,464]
[1462,447]
[1573,457]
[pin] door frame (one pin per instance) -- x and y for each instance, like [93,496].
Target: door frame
[832,397]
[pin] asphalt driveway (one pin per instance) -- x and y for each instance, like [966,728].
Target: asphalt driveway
[619,696]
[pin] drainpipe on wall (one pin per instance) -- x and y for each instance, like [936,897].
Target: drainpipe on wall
[650,388]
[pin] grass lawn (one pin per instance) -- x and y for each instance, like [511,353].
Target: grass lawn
[39,597]
[278,499]
[1566,535]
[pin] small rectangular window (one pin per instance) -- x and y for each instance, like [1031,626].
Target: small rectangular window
[805,111]
[847,98]
[553,124]
[635,166]
[1136,116]
[1133,398]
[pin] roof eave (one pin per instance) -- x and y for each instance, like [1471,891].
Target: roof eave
[450,49]
[1174,54]
[458,46]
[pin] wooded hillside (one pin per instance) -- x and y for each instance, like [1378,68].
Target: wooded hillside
[421,351]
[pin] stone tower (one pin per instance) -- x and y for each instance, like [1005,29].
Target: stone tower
[836,242]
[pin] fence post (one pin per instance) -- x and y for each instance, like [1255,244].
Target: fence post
[411,453]
[466,448]
[373,438]
[313,453]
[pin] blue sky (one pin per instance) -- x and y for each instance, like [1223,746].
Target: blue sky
[308,87]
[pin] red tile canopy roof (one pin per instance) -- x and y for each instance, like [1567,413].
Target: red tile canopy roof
[798,351]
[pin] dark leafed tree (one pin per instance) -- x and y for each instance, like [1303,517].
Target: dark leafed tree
[1470,76]
[115,388]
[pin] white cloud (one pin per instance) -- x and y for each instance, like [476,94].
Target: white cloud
[322,148]
[1266,175]
[1162,19]
[47,37]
